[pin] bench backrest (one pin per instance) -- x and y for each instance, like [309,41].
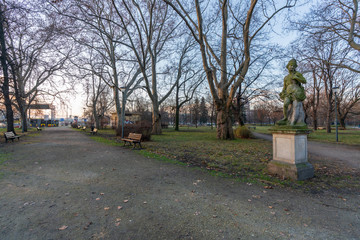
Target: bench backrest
[9,134]
[135,136]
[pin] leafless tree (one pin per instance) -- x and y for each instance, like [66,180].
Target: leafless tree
[35,51]
[149,27]
[240,24]
[98,30]
[5,81]
[317,52]
[337,19]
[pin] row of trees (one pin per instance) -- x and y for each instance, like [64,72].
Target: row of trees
[329,48]
[33,51]
[167,49]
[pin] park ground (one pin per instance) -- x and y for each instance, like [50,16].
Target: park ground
[63,184]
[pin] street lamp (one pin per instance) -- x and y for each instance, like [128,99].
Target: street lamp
[335,91]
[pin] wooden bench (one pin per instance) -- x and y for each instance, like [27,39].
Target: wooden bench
[83,128]
[39,129]
[133,138]
[93,132]
[251,127]
[10,136]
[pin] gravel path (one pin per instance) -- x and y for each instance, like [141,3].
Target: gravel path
[63,185]
[339,153]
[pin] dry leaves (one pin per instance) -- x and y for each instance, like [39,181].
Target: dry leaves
[117,222]
[87,226]
[63,227]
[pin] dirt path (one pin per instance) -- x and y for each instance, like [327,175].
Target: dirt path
[63,178]
[337,153]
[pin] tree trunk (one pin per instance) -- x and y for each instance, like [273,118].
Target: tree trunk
[224,124]
[23,119]
[342,122]
[156,122]
[96,117]
[177,108]
[177,118]
[5,86]
[328,121]
[315,122]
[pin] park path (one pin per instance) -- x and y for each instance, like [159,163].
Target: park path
[64,185]
[337,153]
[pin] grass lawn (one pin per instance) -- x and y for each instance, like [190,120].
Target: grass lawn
[348,136]
[241,159]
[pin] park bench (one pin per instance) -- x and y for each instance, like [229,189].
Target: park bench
[39,129]
[10,136]
[93,132]
[251,127]
[133,138]
[84,128]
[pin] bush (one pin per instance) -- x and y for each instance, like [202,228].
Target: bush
[143,127]
[243,132]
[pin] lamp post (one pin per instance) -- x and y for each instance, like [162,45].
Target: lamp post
[336,90]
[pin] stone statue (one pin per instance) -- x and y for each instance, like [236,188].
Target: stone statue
[293,94]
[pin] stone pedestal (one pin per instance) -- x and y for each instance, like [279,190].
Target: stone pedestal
[290,154]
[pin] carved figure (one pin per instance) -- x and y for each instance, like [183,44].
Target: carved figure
[293,94]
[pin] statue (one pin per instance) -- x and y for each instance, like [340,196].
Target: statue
[293,94]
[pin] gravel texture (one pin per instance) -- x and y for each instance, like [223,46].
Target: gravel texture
[63,185]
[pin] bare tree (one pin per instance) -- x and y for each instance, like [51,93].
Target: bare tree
[348,96]
[337,19]
[5,81]
[149,27]
[188,78]
[98,30]
[238,31]
[318,52]
[35,53]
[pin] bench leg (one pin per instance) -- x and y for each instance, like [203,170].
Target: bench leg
[140,147]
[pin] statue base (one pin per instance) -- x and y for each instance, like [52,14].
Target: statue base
[290,154]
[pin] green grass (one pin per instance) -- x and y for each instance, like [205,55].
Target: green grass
[3,158]
[106,141]
[243,160]
[348,136]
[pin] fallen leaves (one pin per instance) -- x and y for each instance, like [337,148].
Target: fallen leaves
[125,201]
[87,226]
[63,227]
[119,207]
[106,208]
[117,222]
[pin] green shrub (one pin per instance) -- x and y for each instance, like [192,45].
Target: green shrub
[243,132]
